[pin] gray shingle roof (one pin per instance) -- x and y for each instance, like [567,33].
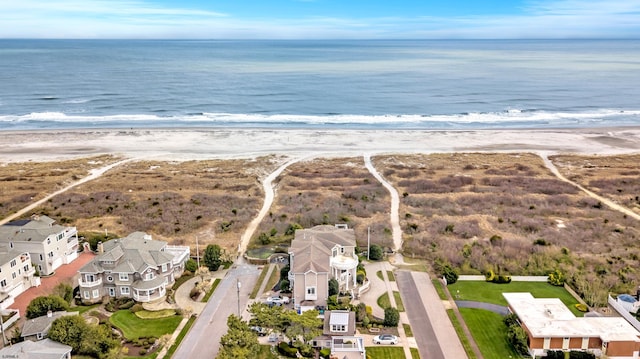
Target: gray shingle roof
[34,230]
[44,349]
[42,324]
[132,254]
[311,248]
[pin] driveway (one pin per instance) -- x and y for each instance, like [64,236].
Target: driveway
[66,273]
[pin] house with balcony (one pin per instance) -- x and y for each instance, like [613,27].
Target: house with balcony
[135,266]
[44,349]
[550,325]
[338,334]
[316,255]
[50,245]
[16,274]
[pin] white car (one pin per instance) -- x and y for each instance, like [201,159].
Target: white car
[277,300]
[385,339]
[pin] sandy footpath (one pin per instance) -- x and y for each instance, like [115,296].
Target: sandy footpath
[184,144]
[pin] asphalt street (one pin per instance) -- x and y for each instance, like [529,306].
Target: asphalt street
[203,340]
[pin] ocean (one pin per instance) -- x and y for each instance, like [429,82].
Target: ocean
[377,84]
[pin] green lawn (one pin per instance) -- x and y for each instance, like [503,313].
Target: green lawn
[415,354]
[145,314]
[407,329]
[385,352]
[133,327]
[379,274]
[396,296]
[81,309]
[383,301]
[463,338]
[492,293]
[489,332]
[438,285]
[265,353]
[172,349]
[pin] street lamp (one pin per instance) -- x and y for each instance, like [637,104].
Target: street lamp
[238,284]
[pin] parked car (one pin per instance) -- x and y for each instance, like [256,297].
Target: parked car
[260,331]
[277,300]
[273,338]
[385,339]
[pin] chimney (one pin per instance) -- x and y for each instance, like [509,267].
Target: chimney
[49,314]
[100,247]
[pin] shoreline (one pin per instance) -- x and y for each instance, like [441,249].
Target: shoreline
[201,143]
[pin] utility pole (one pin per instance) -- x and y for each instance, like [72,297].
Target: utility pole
[238,285]
[368,241]
[197,252]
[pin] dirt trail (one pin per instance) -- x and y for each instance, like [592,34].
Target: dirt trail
[395,203]
[605,201]
[93,174]
[269,195]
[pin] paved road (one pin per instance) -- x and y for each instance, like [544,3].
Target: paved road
[430,324]
[203,340]
[500,309]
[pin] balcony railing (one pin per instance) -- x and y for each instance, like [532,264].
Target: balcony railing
[84,283]
[147,297]
[72,242]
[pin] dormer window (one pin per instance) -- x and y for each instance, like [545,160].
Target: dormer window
[124,276]
[149,276]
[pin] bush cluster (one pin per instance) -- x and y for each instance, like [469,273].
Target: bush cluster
[286,350]
[499,279]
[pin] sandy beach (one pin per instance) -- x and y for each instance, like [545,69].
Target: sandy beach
[185,144]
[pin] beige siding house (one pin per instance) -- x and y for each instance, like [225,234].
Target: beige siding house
[135,266]
[50,245]
[16,275]
[316,255]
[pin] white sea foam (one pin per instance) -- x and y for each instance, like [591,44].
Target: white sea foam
[507,118]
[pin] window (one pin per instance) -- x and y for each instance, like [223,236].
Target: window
[41,258]
[60,236]
[51,254]
[109,278]
[3,283]
[13,275]
[96,293]
[342,250]
[26,268]
[124,276]
[48,240]
[338,328]
[124,290]
[39,335]
[149,276]
[86,294]
[164,267]
[13,263]
[311,290]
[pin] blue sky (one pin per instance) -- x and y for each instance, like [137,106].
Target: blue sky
[319,19]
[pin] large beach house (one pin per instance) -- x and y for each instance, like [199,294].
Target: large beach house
[135,266]
[550,325]
[316,255]
[50,245]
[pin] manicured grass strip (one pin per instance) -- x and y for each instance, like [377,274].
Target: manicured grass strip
[489,332]
[133,327]
[438,285]
[407,329]
[211,290]
[379,274]
[463,338]
[181,335]
[415,354]
[256,288]
[392,277]
[273,279]
[150,356]
[383,301]
[386,352]
[399,304]
[84,308]
[482,291]
[145,314]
